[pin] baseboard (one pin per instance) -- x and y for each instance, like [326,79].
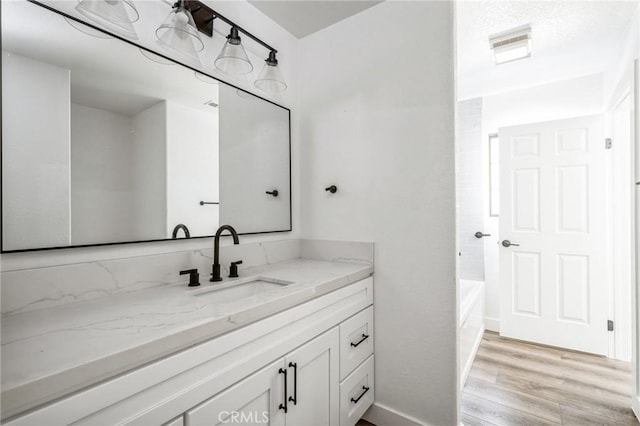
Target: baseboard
[492,324]
[380,415]
[635,406]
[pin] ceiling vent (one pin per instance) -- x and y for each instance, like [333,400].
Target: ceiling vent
[511,45]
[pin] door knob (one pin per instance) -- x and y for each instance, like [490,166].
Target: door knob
[480,235]
[507,243]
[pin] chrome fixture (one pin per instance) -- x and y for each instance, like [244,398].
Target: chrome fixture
[115,15]
[507,243]
[215,268]
[178,227]
[479,235]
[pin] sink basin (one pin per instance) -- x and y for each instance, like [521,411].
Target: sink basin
[255,290]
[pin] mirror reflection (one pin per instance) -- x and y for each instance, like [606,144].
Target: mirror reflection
[104,142]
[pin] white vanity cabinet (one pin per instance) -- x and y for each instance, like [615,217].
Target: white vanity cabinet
[318,345]
[256,399]
[310,397]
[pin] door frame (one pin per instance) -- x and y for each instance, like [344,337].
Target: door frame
[620,341]
[635,326]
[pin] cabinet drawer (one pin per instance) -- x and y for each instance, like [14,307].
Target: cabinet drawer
[356,341]
[356,393]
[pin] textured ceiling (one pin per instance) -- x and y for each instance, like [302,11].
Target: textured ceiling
[569,38]
[303,17]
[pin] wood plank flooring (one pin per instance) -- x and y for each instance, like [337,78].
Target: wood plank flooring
[518,383]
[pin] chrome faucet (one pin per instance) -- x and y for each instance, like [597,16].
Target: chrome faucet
[215,269]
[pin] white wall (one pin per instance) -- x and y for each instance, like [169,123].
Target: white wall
[35,89]
[470,190]
[149,173]
[192,178]
[554,101]
[101,192]
[620,69]
[378,122]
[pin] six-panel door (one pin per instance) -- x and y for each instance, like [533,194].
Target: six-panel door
[552,229]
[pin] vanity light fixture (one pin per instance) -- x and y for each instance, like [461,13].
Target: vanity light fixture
[179,31]
[511,45]
[114,15]
[270,78]
[233,58]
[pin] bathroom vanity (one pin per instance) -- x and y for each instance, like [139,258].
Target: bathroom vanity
[114,335]
[291,342]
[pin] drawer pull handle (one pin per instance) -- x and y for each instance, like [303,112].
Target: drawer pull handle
[365,390]
[284,406]
[294,398]
[364,337]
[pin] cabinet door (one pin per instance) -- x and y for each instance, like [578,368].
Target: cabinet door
[255,400]
[313,382]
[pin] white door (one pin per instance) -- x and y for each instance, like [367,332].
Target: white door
[552,211]
[256,400]
[314,387]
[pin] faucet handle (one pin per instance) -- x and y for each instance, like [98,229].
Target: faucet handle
[194,277]
[233,269]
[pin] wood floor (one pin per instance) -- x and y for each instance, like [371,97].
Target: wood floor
[517,383]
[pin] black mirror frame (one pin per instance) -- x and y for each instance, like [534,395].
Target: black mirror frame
[64,15]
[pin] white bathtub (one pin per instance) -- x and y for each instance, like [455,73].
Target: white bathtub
[471,324]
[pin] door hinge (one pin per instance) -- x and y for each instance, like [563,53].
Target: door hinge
[609,325]
[608,143]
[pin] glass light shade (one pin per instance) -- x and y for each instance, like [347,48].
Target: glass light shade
[115,15]
[233,59]
[270,79]
[156,58]
[85,29]
[179,32]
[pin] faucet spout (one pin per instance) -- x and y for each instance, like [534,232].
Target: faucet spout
[178,228]
[215,268]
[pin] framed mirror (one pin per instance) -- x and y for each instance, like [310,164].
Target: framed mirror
[106,142]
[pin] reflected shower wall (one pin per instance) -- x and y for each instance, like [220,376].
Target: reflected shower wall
[469,189]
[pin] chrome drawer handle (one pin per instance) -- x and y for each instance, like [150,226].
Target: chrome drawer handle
[355,400]
[364,337]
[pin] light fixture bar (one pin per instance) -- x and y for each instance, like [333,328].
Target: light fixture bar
[204,16]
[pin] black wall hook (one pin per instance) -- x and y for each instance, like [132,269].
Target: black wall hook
[332,189]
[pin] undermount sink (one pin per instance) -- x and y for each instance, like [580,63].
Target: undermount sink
[255,289]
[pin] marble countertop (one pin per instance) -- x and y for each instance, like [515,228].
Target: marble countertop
[51,352]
